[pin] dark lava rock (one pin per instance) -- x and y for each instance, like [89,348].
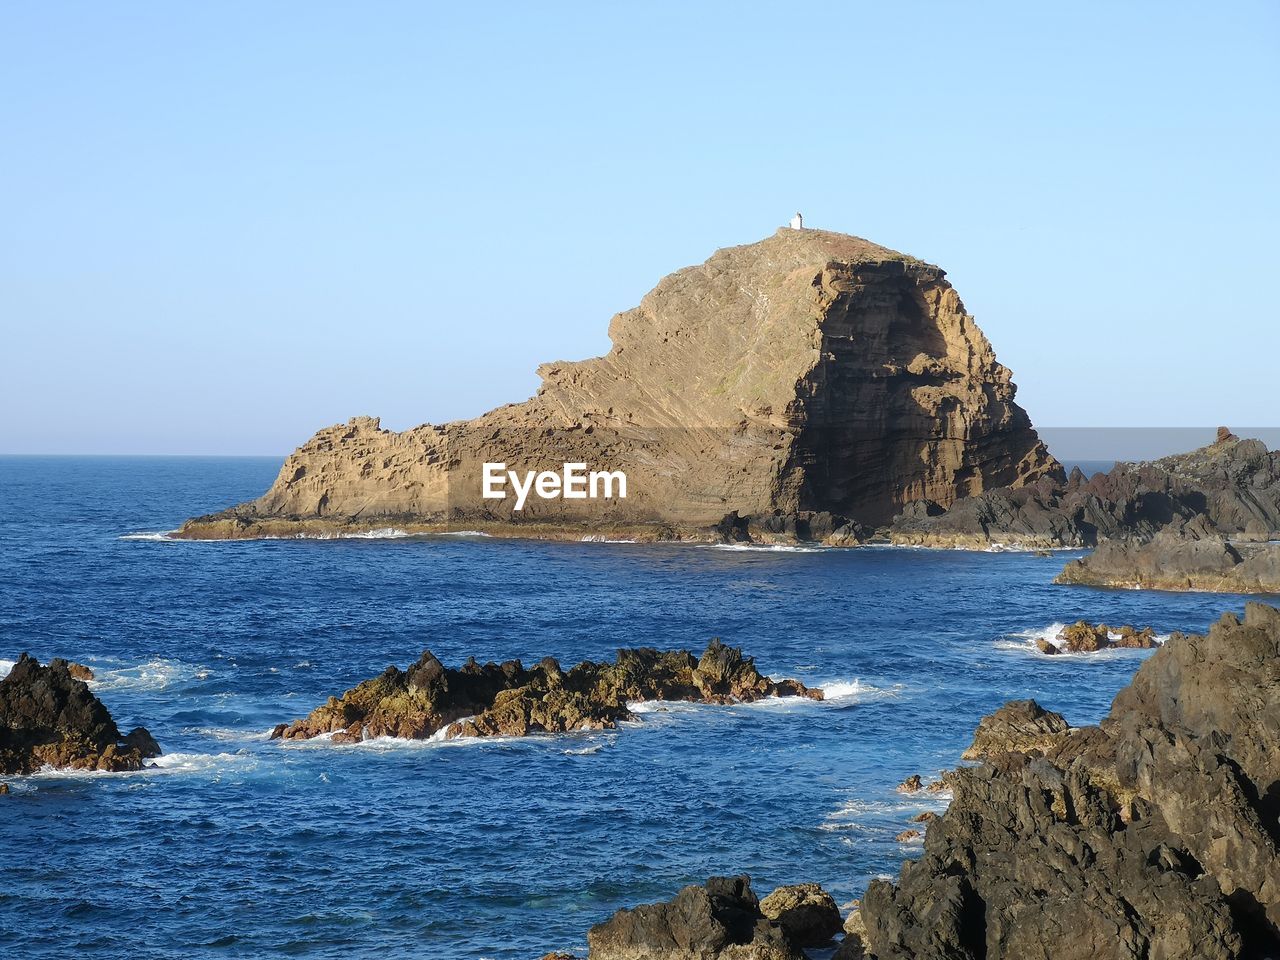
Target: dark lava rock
[1229,488]
[508,700]
[718,921]
[1152,835]
[49,718]
[807,914]
[1180,559]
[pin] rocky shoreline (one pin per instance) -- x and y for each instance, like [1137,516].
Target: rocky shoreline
[505,699]
[49,718]
[1170,561]
[1153,834]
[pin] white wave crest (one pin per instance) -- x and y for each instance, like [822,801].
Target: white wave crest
[166,536]
[463,533]
[155,674]
[765,548]
[6,666]
[855,691]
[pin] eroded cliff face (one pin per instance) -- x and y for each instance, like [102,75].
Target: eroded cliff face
[811,371]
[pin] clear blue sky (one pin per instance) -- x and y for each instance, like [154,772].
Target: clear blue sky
[225,225]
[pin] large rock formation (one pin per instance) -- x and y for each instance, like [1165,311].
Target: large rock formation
[1179,560]
[48,718]
[1229,488]
[809,372]
[508,700]
[1152,835]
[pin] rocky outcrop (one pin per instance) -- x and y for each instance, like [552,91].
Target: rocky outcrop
[721,920]
[509,700]
[1085,637]
[1174,560]
[811,374]
[1020,726]
[49,718]
[807,914]
[1229,488]
[1151,835]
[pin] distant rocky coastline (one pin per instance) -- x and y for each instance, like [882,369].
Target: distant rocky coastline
[1180,560]
[1230,488]
[506,699]
[1153,834]
[810,385]
[49,718]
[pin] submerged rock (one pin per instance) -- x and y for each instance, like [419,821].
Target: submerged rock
[1151,835]
[50,718]
[812,383]
[509,700]
[720,920]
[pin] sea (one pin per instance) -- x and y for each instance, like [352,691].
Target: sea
[236,846]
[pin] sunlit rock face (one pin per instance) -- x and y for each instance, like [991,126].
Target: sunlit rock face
[809,372]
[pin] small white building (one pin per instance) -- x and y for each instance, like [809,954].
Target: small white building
[797,222]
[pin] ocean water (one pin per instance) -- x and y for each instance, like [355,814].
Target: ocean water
[240,847]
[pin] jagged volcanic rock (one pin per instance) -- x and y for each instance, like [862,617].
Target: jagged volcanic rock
[718,921]
[48,717]
[1173,560]
[508,700]
[812,373]
[1152,835]
[1229,488]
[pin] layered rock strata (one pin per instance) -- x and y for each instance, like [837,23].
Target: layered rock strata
[49,718]
[509,700]
[809,374]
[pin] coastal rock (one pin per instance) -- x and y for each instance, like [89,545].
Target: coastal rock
[1150,835]
[807,914]
[718,921]
[1020,726]
[807,377]
[50,718]
[509,700]
[1230,488]
[1173,561]
[79,671]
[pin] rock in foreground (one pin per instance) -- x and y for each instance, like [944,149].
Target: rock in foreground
[509,700]
[1151,835]
[719,921]
[48,717]
[779,385]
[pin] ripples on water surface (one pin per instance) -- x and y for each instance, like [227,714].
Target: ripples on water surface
[236,846]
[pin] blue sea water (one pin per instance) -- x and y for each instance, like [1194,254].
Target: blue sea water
[240,847]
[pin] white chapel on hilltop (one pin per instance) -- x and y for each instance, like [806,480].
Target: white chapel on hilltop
[797,222]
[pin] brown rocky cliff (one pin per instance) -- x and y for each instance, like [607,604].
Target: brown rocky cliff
[811,371]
